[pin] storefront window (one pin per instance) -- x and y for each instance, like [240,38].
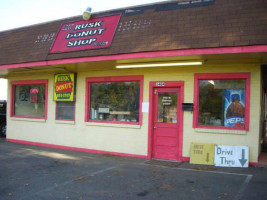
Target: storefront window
[222,102]
[29,99]
[114,101]
[65,110]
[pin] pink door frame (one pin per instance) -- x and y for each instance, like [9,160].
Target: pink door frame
[166,84]
[165,135]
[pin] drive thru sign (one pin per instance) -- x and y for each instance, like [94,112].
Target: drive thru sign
[231,156]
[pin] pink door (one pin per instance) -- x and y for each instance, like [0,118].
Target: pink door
[165,134]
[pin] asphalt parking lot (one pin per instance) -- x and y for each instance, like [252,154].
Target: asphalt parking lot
[35,173]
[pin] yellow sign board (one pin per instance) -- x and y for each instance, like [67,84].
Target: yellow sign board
[64,87]
[202,153]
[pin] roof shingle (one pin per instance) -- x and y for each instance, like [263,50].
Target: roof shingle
[221,23]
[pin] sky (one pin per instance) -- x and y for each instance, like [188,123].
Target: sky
[20,13]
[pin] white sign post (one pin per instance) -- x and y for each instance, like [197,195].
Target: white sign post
[231,156]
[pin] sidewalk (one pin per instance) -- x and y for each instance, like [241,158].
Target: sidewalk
[30,172]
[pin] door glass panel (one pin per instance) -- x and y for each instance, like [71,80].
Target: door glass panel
[167,107]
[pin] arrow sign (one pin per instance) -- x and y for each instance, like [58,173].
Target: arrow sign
[231,156]
[243,160]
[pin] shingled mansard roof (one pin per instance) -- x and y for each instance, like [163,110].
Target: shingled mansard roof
[170,25]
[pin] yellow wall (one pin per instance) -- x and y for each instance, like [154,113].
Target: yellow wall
[134,139]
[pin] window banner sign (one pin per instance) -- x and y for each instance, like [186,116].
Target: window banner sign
[234,108]
[82,35]
[64,87]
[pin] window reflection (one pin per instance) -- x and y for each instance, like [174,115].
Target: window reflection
[65,110]
[115,101]
[222,103]
[29,100]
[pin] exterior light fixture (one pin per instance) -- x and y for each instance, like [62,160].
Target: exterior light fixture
[159,65]
[87,13]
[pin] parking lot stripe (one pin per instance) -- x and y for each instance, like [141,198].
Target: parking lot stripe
[243,187]
[240,192]
[68,182]
[194,170]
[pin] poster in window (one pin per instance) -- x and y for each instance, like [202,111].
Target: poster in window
[234,108]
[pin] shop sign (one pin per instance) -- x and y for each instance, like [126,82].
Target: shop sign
[82,35]
[103,110]
[231,156]
[64,87]
[202,153]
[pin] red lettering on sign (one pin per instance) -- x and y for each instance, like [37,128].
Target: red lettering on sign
[64,87]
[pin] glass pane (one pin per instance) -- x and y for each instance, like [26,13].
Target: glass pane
[65,110]
[222,103]
[115,101]
[167,107]
[29,100]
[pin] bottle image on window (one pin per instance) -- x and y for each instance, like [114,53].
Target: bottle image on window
[235,112]
[33,95]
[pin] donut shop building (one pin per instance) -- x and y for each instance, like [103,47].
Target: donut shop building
[144,81]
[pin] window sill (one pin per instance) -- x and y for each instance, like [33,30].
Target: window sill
[65,122]
[223,131]
[28,119]
[113,125]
